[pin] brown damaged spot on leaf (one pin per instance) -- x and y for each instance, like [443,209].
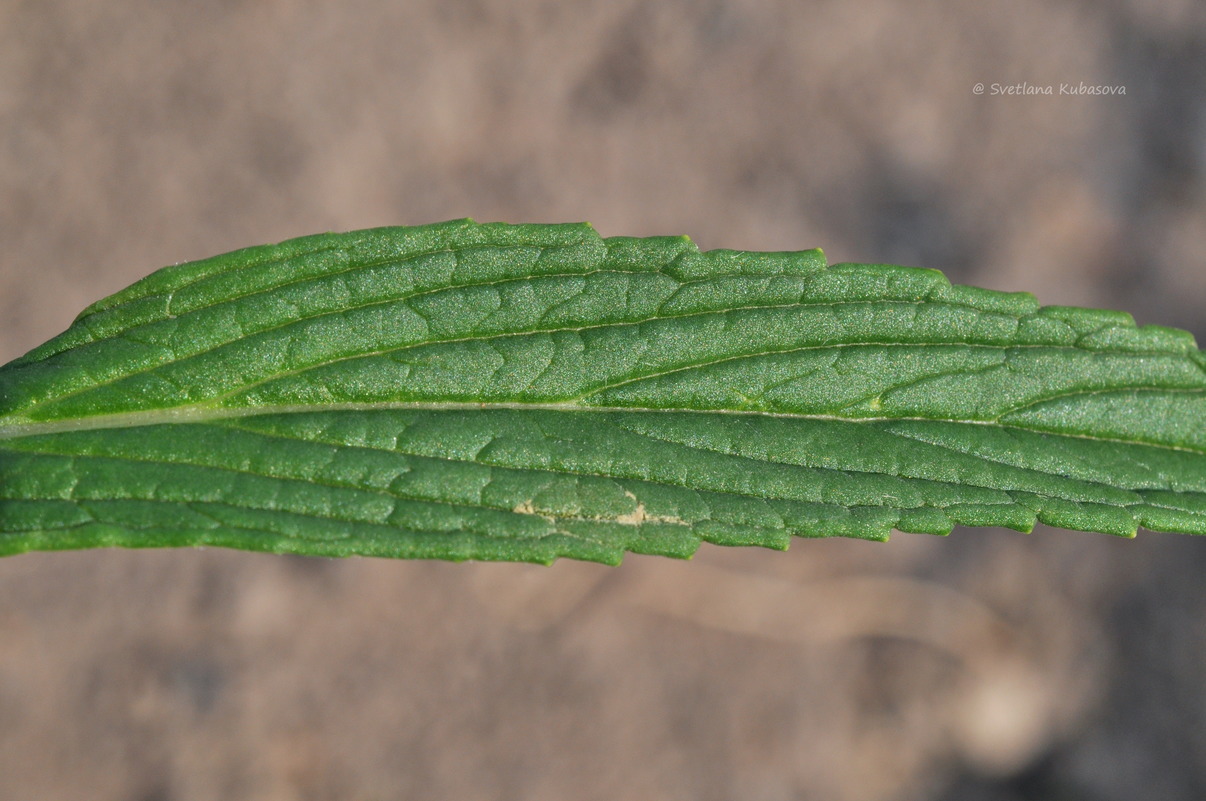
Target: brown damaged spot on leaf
[639,515]
[636,517]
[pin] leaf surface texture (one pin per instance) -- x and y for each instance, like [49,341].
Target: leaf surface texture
[526,392]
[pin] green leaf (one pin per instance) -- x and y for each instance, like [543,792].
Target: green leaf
[526,392]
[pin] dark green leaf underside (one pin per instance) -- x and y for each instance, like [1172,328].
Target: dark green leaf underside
[527,392]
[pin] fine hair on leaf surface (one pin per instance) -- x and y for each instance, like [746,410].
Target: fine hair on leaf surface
[528,392]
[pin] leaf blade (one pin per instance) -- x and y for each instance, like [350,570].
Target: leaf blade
[559,394]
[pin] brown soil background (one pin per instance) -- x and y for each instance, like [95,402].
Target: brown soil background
[990,666]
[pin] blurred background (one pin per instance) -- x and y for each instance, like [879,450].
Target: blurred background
[989,666]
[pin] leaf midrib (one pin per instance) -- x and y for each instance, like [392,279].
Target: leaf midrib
[203,414]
